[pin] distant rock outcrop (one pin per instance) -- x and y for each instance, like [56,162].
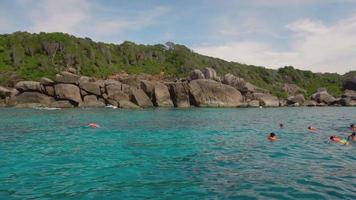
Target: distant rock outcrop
[209,93]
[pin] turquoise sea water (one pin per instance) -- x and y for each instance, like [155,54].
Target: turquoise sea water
[176,154]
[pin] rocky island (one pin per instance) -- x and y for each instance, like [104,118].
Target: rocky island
[203,88]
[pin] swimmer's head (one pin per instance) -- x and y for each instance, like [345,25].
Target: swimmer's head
[353,134]
[332,137]
[272,135]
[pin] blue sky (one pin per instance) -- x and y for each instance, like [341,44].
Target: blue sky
[319,35]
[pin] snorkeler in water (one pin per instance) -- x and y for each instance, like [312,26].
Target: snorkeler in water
[353,127]
[337,139]
[93,125]
[352,137]
[312,129]
[272,137]
[281,125]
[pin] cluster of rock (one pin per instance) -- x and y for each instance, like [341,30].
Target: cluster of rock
[203,88]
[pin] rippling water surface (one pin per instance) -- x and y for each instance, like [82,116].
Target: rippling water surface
[176,154]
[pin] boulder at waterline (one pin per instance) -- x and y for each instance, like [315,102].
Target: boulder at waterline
[323,97]
[68,92]
[27,98]
[253,103]
[310,103]
[209,93]
[180,94]
[148,87]
[61,104]
[296,99]
[162,97]
[139,97]
[92,101]
[127,104]
[266,100]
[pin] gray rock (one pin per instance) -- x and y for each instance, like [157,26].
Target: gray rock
[28,86]
[4,92]
[68,92]
[91,87]
[180,94]
[139,97]
[148,87]
[92,101]
[30,98]
[49,90]
[209,73]
[292,89]
[349,94]
[323,97]
[254,103]
[127,104]
[119,96]
[71,70]
[162,97]
[266,100]
[67,77]
[46,81]
[61,104]
[196,74]
[296,99]
[208,93]
[310,103]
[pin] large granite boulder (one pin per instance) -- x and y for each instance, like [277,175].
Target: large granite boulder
[29,99]
[266,100]
[24,86]
[148,87]
[296,99]
[310,103]
[208,93]
[253,103]
[127,104]
[4,92]
[113,87]
[350,84]
[241,85]
[49,90]
[293,89]
[67,77]
[68,92]
[348,98]
[209,73]
[92,101]
[196,74]
[180,94]
[91,87]
[139,97]
[157,92]
[323,97]
[162,97]
[61,104]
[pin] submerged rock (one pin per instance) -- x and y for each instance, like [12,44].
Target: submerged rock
[61,104]
[208,93]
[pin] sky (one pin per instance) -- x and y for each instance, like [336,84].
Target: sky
[316,35]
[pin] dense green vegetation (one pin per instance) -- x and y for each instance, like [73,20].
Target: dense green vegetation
[32,56]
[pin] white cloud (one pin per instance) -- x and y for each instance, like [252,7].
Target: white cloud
[58,16]
[119,25]
[316,46]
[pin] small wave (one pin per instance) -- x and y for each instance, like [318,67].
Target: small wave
[111,106]
[45,108]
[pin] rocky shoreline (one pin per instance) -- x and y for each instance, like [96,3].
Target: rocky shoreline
[203,88]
